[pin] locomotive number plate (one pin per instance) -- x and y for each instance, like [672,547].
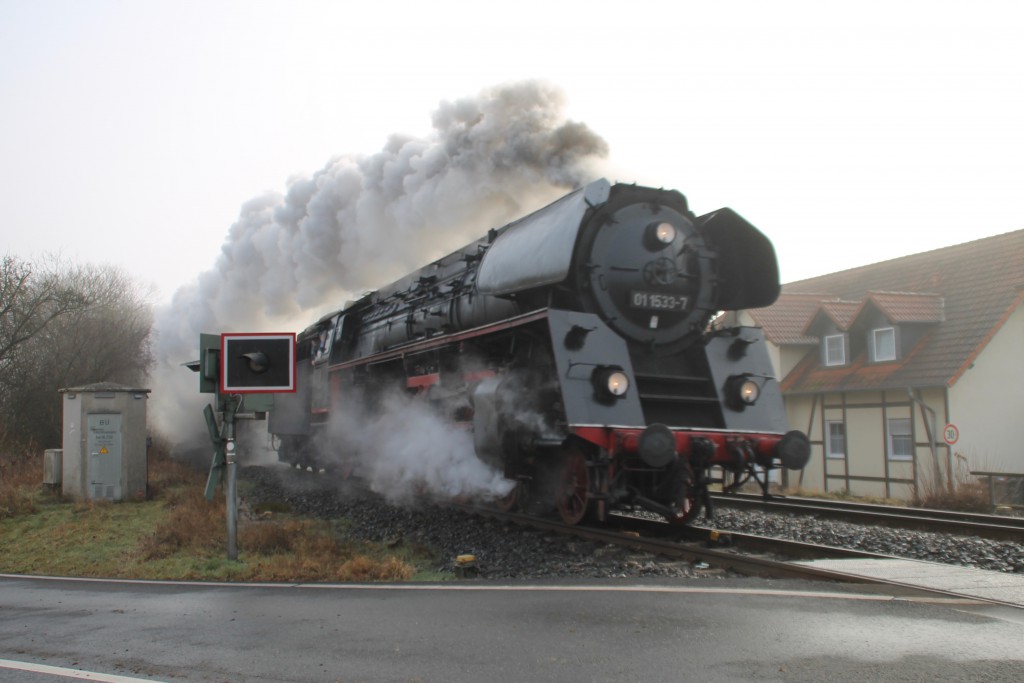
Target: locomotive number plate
[652,301]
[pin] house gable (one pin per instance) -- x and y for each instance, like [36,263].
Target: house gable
[942,306]
[889,325]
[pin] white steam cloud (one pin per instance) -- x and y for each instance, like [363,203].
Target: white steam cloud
[362,221]
[404,452]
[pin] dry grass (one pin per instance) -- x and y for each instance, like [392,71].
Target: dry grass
[174,534]
[965,497]
[305,550]
[165,475]
[21,478]
[960,491]
[191,525]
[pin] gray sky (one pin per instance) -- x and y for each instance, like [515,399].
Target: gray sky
[132,132]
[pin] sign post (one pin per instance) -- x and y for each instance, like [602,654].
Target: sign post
[244,364]
[230,411]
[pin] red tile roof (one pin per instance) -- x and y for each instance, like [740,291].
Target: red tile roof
[839,313]
[964,292]
[784,321]
[903,307]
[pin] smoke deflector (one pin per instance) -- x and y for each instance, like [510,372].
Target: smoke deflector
[748,273]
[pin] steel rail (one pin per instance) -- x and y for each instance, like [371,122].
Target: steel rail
[921,519]
[727,550]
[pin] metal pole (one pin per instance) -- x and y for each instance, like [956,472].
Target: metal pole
[229,456]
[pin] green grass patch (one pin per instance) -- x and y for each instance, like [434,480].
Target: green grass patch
[78,540]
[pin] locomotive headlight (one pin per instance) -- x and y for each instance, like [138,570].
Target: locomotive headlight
[749,391]
[742,391]
[610,382]
[659,235]
[617,384]
[665,233]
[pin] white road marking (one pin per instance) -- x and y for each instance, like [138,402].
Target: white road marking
[507,588]
[69,673]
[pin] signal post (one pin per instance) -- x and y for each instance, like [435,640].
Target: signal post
[244,370]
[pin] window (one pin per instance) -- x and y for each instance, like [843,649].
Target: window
[320,346]
[835,349]
[883,344]
[836,443]
[342,338]
[901,440]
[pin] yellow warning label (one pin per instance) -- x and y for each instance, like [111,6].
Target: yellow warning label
[103,451]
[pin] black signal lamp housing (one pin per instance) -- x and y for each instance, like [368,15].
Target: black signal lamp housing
[257,363]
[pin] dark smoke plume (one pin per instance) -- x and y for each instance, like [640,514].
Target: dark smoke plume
[362,221]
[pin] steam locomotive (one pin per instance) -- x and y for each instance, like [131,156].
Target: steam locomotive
[577,345]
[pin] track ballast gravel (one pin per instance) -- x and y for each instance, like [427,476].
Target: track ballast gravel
[506,551]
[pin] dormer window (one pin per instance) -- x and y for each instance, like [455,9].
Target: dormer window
[835,349]
[883,344]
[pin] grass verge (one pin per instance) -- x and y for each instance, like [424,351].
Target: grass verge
[176,534]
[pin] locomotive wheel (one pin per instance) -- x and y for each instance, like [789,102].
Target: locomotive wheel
[347,467]
[688,508]
[573,498]
[688,511]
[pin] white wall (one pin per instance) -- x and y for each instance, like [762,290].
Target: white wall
[987,402]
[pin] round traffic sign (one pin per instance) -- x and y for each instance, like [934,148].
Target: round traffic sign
[950,434]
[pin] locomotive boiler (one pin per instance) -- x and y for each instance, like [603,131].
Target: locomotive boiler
[577,345]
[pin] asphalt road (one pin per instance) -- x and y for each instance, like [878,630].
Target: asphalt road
[702,630]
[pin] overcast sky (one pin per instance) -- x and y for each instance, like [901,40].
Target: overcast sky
[132,132]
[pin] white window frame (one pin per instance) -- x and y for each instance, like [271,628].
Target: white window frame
[875,334]
[899,430]
[830,445]
[829,361]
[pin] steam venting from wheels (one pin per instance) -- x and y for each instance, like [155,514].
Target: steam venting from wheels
[406,454]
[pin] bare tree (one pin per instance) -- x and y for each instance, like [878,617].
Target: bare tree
[95,325]
[29,302]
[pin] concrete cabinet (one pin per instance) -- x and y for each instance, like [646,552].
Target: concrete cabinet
[105,442]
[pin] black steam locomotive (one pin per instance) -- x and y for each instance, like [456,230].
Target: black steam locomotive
[576,344]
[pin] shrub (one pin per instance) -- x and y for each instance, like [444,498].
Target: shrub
[959,491]
[21,477]
[193,523]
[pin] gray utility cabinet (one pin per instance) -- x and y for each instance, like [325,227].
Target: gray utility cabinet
[105,442]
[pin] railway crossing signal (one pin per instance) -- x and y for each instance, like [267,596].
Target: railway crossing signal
[257,363]
[245,370]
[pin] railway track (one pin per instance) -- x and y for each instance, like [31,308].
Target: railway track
[687,543]
[754,555]
[920,519]
[762,556]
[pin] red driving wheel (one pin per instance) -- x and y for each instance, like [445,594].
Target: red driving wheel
[573,498]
